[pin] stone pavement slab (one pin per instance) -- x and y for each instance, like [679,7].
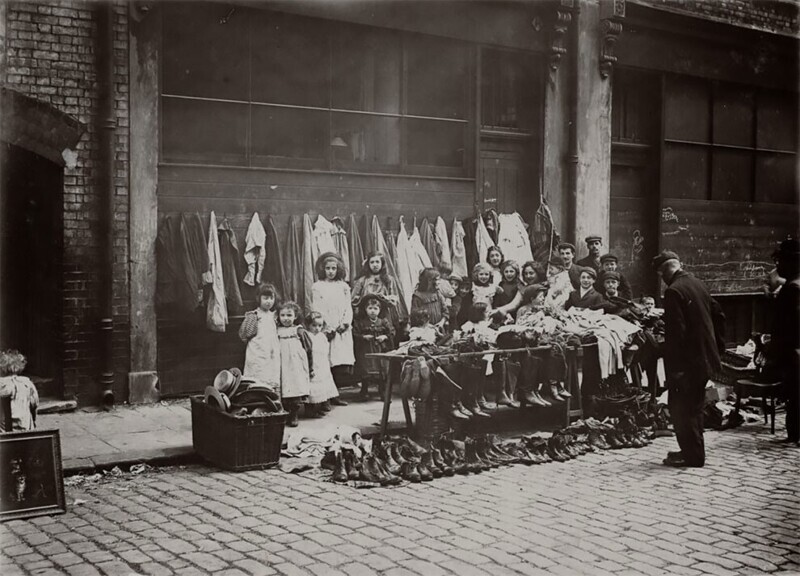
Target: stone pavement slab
[614,512]
[92,438]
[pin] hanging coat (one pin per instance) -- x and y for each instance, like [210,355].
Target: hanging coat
[310,256]
[378,243]
[254,251]
[369,237]
[411,259]
[354,244]
[483,241]
[470,243]
[342,248]
[192,262]
[459,253]
[216,309]
[273,268]
[294,263]
[391,263]
[423,260]
[167,262]
[323,236]
[513,238]
[428,240]
[229,251]
[492,223]
[442,245]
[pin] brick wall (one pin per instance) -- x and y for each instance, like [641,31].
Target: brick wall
[50,56]
[779,16]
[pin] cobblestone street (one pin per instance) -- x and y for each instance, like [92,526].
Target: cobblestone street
[615,512]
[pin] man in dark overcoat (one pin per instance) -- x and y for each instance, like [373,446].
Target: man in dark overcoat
[784,347]
[694,340]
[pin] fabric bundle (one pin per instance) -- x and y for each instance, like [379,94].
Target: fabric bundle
[255,251]
[216,309]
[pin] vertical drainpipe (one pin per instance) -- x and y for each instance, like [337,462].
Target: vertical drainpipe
[104,13]
[572,158]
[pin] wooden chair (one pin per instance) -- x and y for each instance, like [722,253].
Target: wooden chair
[766,390]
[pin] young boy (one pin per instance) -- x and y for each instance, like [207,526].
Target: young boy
[585,296]
[609,264]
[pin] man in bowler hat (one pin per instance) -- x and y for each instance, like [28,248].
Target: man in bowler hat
[784,347]
[694,340]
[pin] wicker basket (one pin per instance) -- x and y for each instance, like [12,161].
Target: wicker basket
[431,419]
[236,443]
[734,367]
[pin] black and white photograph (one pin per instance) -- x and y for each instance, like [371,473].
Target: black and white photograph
[399,287]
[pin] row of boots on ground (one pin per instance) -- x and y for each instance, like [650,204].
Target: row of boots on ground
[390,461]
[535,381]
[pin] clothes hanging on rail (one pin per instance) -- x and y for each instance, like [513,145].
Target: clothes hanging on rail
[254,250]
[342,248]
[192,262]
[459,250]
[424,261]
[442,245]
[216,309]
[354,244]
[483,240]
[513,239]
[229,252]
[323,236]
[309,261]
[294,262]
[470,242]
[273,268]
[390,243]
[428,240]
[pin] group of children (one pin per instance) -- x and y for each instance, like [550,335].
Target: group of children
[345,326]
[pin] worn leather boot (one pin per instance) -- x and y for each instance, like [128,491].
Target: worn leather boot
[527,381]
[410,473]
[352,465]
[512,376]
[562,391]
[340,473]
[438,459]
[552,392]
[424,472]
[430,464]
[499,381]
[392,479]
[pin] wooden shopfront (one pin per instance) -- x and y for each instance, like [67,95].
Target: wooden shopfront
[393,109]
[704,154]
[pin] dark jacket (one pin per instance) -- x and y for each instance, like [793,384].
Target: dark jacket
[695,327]
[589,262]
[574,272]
[591,299]
[784,347]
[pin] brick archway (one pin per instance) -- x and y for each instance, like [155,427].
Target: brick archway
[37,126]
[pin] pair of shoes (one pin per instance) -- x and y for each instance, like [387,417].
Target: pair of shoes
[680,463]
[337,402]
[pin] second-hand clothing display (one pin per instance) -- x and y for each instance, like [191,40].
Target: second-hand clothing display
[442,244]
[513,238]
[459,250]
[273,265]
[294,263]
[192,261]
[255,251]
[229,252]
[216,309]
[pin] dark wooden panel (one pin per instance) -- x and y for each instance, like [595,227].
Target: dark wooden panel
[727,244]
[634,241]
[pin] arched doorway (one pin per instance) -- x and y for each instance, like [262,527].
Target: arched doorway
[31,233]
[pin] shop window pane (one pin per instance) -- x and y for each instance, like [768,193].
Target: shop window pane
[733,116]
[732,177]
[777,121]
[366,70]
[634,111]
[435,143]
[363,140]
[199,132]
[686,110]
[686,171]
[290,60]
[776,178]
[508,90]
[203,50]
[438,72]
[289,133]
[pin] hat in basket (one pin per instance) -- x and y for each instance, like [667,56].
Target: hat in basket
[217,399]
[224,381]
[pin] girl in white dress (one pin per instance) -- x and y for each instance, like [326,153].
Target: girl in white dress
[323,388]
[330,297]
[262,361]
[297,367]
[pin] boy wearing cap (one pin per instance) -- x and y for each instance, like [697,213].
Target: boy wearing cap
[694,340]
[567,253]
[585,296]
[594,245]
[609,263]
[784,350]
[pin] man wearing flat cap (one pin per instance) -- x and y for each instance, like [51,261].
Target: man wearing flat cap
[567,253]
[694,340]
[784,347]
[609,263]
[594,244]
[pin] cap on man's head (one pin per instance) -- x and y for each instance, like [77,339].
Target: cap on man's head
[566,245]
[611,276]
[590,239]
[608,258]
[590,271]
[665,256]
[789,247]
